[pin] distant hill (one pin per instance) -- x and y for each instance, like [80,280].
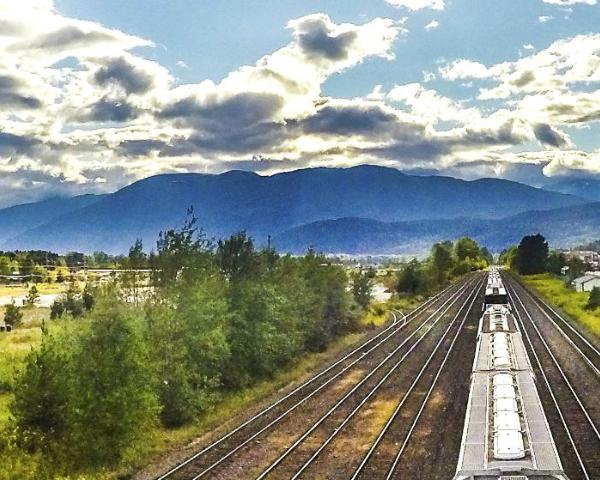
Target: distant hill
[567,226]
[21,218]
[588,188]
[238,200]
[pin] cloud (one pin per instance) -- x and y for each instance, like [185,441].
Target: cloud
[11,94]
[106,110]
[545,18]
[418,4]
[565,3]
[432,25]
[118,71]
[465,69]
[549,136]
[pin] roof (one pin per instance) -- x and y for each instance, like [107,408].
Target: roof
[586,278]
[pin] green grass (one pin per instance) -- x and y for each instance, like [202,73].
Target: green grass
[554,291]
[43,289]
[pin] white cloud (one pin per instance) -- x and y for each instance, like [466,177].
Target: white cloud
[565,3]
[431,25]
[418,4]
[545,18]
[464,69]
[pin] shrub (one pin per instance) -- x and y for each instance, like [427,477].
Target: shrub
[13,315]
[594,300]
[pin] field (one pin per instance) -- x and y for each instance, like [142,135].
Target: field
[554,290]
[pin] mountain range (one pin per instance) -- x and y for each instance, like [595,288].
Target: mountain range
[365,209]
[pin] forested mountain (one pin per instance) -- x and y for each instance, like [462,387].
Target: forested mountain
[567,226]
[588,188]
[272,205]
[20,218]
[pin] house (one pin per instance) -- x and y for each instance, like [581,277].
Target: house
[588,257]
[586,283]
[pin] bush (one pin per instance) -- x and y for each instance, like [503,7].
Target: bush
[594,300]
[13,315]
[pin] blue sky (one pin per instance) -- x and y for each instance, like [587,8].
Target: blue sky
[99,94]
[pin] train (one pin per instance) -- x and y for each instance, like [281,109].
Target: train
[506,433]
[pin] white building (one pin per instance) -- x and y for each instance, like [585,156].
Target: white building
[586,283]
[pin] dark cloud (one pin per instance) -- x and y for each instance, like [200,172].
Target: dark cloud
[504,135]
[120,72]
[237,111]
[142,148]
[106,110]
[63,38]
[350,120]
[11,144]
[11,97]
[524,79]
[423,149]
[316,40]
[549,136]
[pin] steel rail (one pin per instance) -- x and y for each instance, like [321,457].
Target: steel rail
[308,432]
[547,382]
[562,332]
[396,411]
[314,392]
[429,392]
[458,286]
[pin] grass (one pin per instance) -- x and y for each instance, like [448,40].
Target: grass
[554,291]
[43,289]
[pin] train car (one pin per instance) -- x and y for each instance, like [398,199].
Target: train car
[506,433]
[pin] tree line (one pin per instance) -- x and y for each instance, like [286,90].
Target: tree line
[533,256]
[446,261]
[218,317]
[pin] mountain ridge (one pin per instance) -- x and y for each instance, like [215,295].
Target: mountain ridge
[269,205]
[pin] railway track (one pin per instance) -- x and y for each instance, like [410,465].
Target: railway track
[574,426]
[304,454]
[395,338]
[582,346]
[414,400]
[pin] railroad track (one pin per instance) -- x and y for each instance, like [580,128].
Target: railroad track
[578,342]
[414,400]
[214,455]
[579,429]
[302,455]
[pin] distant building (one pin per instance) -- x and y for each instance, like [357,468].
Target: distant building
[588,257]
[586,283]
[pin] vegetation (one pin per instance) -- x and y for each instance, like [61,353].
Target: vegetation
[219,318]
[13,315]
[446,261]
[574,304]
[594,299]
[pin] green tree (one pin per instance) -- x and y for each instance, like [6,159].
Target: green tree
[13,315]
[594,300]
[556,261]
[236,257]
[32,296]
[411,279]
[5,265]
[442,261]
[112,399]
[532,254]
[466,247]
[362,284]
[40,402]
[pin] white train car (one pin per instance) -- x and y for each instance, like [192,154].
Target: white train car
[506,433]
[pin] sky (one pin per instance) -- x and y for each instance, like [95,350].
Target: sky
[95,95]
